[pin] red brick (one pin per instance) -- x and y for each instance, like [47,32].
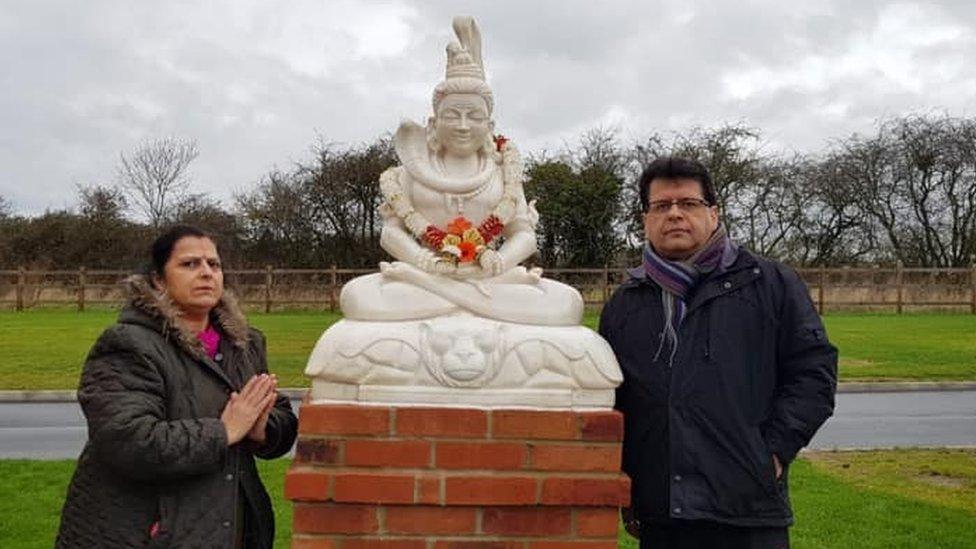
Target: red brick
[535,424]
[384,543]
[441,422]
[613,491]
[576,457]
[597,523]
[373,488]
[490,491]
[608,544]
[430,520]
[480,455]
[321,419]
[298,542]
[602,426]
[428,489]
[307,485]
[329,518]
[464,544]
[317,450]
[527,521]
[388,453]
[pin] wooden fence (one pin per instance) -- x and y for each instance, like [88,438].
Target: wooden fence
[896,289]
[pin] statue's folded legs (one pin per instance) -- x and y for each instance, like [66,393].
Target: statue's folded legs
[516,296]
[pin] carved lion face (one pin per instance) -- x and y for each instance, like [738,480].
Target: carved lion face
[460,355]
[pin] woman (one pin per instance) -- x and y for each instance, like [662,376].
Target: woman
[178,401]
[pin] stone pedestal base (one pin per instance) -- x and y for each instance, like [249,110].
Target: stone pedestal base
[433,478]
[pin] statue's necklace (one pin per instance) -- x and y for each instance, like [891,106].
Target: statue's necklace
[454,200]
[460,198]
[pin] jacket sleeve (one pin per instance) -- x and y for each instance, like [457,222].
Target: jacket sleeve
[123,397]
[282,425]
[806,372]
[607,316]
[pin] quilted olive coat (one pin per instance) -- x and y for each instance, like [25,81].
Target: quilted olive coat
[156,470]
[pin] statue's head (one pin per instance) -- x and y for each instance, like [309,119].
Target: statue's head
[463,102]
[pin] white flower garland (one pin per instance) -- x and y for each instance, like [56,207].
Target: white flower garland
[417,223]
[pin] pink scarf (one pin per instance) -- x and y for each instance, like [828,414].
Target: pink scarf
[210,338]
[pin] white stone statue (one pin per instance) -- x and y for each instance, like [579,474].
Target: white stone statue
[455,319]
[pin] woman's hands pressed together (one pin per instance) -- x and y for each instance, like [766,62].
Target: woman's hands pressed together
[246,413]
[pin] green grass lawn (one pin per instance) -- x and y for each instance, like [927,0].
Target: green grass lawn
[883,499]
[909,347]
[44,349]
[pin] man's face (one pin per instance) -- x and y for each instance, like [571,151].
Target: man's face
[682,229]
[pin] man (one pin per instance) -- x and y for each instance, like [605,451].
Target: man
[727,374]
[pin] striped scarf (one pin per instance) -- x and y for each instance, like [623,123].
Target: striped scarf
[678,278]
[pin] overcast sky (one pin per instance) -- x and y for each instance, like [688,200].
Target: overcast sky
[256,83]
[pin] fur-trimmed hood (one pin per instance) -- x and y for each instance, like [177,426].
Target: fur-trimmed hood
[227,315]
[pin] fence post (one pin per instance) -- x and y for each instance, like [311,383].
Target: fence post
[972,276]
[820,289]
[333,290]
[81,289]
[605,292]
[899,279]
[21,282]
[268,281]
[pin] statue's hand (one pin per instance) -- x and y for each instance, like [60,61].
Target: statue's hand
[429,262]
[444,267]
[492,262]
[468,270]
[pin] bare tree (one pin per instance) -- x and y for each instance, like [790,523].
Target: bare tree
[917,180]
[5,207]
[99,203]
[155,176]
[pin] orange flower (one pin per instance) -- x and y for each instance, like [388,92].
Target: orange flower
[458,226]
[468,251]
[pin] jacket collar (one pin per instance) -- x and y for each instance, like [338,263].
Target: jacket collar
[159,312]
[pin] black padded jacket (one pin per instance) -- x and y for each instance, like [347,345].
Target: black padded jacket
[753,375]
[157,452]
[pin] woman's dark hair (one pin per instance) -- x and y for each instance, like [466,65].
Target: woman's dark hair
[162,247]
[675,167]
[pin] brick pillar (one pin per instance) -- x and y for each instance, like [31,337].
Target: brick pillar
[445,478]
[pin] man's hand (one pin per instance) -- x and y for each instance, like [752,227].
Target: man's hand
[631,524]
[258,431]
[778,466]
[243,409]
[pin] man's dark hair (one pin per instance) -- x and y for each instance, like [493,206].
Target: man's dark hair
[162,247]
[675,167]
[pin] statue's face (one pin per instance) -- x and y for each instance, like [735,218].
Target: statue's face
[462,124]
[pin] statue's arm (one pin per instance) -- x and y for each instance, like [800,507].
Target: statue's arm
[520,242]
[396,237]
[400,243]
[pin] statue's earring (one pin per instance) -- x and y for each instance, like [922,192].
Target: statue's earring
[433,144]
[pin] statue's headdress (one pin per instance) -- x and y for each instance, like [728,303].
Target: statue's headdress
[464,56]
[465,71]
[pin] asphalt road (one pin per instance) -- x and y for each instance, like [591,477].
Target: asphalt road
[862,420]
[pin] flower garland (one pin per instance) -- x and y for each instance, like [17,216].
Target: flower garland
[460,241]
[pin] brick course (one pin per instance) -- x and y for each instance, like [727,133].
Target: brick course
[452,478]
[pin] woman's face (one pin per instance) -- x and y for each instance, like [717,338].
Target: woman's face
[192,276]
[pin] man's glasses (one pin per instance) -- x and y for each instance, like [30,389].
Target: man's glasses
[684,204]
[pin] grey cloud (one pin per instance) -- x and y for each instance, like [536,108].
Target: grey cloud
[256,83]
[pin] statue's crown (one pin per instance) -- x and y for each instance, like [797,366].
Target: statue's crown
[464,56]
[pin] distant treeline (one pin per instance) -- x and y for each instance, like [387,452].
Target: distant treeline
[906,192]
